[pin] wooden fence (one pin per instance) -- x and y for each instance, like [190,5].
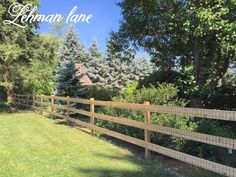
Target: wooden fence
[38,103]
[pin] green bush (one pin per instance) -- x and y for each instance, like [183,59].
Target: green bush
[130,89]
[164,94]
[100,93]
[3,96]
[214,153]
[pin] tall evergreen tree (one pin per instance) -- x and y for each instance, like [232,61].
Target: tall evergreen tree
[16,47]
[140,68]
[123,67]
[94,49]
[67,83]
[115,72]
[123,73]
[67,77]
[72,48]
[96,66]
[117,48]
[119,73]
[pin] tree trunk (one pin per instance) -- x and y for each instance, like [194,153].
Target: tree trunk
[9,96]
[196,101]
[196,61]
[8,86]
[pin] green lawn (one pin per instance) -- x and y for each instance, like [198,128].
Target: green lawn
[34,146]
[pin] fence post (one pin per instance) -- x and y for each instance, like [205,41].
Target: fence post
[147,137]
[27,101]
[52,105]
[68,105]
[92,120]
[33,101]
[14,100]
[41,104]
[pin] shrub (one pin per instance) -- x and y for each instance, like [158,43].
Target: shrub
[214,153]
[130,89]
[164,94]
[3,96]
[100,93]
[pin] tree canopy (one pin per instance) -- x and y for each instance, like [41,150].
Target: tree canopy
[199,35]
[16,46]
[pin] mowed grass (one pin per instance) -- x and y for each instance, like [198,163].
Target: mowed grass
[34,146]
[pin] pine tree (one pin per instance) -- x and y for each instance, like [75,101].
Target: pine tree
[118,60]
[123,67]
[140,68]
[116,48]
[72,48]
[67,77]
[116,72]
[94,49]
[119,73]
[96,66]
[67,83]
[123,73]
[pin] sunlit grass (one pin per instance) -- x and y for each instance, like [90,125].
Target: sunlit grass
[34,146]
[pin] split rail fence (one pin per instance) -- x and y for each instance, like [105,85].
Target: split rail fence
[38,103]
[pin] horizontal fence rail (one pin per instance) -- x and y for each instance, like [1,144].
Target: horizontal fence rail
[39,102]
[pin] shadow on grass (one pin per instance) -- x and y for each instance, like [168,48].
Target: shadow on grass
[141,168]
[148,166]
[98,172]
[113,157]
[7,109]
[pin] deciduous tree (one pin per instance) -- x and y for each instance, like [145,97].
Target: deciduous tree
[196,34]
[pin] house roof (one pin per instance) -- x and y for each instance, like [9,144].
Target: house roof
[85,81]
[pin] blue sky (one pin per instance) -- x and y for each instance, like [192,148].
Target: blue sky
[106,16]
